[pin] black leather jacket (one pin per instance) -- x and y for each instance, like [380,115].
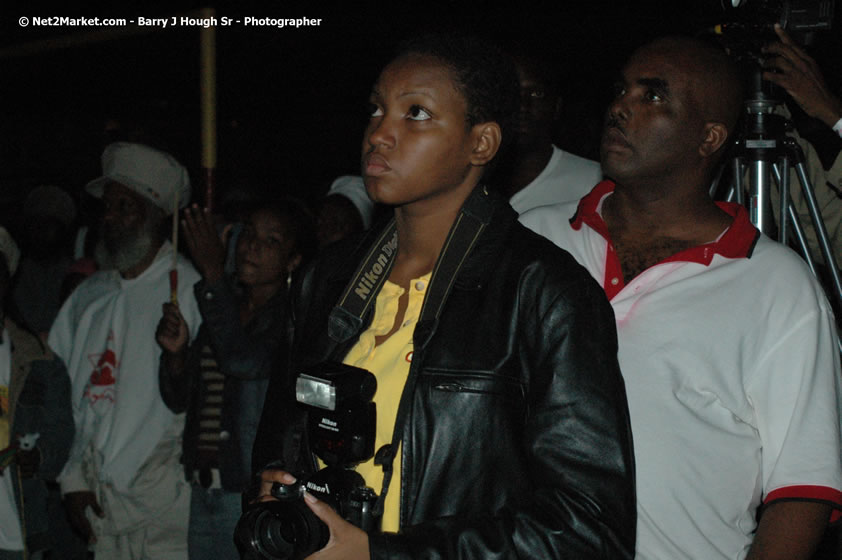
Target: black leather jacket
[517,443]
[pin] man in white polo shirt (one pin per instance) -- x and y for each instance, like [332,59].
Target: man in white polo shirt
[726,342]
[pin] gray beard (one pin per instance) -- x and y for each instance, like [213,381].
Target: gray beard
[124,253]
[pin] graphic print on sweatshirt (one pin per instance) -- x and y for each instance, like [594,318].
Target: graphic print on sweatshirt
[101,387]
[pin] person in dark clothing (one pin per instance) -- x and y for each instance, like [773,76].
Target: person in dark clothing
[220,380]
[36,429]
[501,410]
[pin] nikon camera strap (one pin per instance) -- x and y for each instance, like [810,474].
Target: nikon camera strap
[362,291]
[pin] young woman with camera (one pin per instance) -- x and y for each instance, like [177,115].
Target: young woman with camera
[502,421]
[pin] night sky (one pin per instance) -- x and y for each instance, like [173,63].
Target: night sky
[291,102]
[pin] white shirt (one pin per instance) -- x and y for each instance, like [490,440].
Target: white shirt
[728,351]
[105,334]
[566,178]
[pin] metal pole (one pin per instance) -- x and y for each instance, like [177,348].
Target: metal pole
[207,93]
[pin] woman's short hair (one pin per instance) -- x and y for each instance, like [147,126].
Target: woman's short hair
[483,74]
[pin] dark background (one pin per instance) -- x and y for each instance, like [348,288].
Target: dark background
[291,102]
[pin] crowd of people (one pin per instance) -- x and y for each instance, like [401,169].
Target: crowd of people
[573,359]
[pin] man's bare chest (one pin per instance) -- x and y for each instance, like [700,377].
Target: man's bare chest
[636,255]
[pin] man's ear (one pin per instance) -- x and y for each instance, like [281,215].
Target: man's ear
[487,137]
[715,135]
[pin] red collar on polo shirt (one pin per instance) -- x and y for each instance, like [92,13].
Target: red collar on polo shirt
[737,242]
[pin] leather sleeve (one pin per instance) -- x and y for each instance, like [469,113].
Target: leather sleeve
[576,435]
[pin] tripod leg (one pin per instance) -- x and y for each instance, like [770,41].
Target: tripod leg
[737,188]
[782,175]
[759,173]
[821,234]
[801,237]
[820,229]
[714,185]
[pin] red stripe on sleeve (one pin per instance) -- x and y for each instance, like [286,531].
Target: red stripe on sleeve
[818,493]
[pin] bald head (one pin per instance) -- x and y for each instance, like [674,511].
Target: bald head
[714,80]
[677,101]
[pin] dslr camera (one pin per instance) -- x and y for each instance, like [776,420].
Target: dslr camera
[748,27]
[341,423]
[749,23]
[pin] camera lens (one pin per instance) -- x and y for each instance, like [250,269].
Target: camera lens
[281,531]
[274,538]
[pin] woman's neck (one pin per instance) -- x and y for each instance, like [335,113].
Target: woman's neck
[258,296]
[420,240]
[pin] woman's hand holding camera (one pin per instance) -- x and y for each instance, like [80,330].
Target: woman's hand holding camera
[346,540]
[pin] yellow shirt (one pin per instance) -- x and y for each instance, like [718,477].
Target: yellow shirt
[389,363]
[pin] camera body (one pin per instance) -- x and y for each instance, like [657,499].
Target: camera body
[796,16]
[341,420]
[749,23]
[287,528]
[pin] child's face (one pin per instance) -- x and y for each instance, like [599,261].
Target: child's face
[263,250]
[418,145]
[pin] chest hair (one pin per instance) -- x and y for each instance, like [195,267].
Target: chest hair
[636,255]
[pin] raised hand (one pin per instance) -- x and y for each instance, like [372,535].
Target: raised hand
[796,71]
[171,333]
[206,247]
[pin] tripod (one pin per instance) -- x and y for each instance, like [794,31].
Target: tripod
[765,152]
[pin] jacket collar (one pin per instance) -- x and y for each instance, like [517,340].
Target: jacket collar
[493,217]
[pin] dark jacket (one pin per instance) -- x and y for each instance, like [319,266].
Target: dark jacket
[517,443]
[246,355]
[39,402]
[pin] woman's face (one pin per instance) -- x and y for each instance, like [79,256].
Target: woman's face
[263,250]
[417,146]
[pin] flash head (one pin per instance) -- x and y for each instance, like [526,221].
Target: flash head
[331,384]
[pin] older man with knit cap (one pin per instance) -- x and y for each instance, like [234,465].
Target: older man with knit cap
[123,486]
